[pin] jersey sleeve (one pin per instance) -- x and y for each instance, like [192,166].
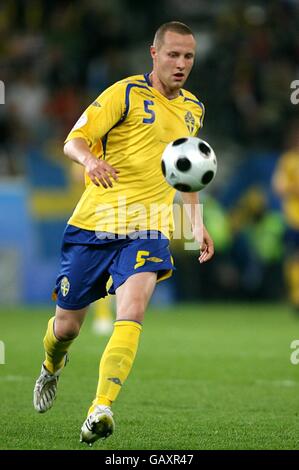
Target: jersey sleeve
[200,118]
[104,113]
[203,111]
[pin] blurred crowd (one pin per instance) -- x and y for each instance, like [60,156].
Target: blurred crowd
[57,56]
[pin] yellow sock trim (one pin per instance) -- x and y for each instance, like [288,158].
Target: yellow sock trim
[55,350]
[117,361]
[99,401]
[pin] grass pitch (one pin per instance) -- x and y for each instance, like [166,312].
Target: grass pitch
[205,377]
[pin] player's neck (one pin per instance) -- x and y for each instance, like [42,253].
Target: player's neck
[164,90]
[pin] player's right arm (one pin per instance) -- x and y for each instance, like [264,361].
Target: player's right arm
[84,143]
[99,171]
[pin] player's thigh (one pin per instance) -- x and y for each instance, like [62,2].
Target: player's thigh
[133,295]
[68,322]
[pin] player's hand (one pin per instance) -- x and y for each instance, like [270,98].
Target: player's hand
[206,247]
[100,172]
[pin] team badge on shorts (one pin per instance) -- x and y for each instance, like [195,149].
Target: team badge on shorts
[64,286]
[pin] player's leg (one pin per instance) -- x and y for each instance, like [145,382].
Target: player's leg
[135,270]
[132,298]
[62,329]
[81,280]
[292,280]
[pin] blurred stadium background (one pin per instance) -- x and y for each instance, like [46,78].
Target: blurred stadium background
[55,58]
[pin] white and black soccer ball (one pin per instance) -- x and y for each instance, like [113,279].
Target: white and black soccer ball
[189,164]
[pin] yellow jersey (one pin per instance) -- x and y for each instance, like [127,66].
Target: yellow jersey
[129,125]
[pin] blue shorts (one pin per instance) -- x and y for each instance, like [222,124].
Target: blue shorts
[89,259]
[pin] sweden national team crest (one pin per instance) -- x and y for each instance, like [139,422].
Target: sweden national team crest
[190,121]
[65,286]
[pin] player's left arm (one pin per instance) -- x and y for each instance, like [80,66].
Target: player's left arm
[201,235]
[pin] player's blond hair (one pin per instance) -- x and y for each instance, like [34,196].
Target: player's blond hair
[175,27]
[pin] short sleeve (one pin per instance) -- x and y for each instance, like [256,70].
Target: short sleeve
[103,114]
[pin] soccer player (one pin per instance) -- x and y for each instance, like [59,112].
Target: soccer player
[123,221]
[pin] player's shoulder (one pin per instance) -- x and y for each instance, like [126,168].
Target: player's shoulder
[117,89]
[190,97]
[126,84]
[133,80]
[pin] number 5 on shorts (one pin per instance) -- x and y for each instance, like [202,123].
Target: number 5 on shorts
[140,260]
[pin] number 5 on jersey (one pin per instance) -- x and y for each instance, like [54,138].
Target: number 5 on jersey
[151,112]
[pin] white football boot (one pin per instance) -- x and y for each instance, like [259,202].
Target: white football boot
[98,425]
[45,389]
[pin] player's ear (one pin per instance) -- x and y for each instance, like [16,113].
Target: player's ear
[153,51]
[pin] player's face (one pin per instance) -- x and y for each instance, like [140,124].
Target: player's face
[174,59]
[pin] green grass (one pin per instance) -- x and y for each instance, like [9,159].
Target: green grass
[205,377]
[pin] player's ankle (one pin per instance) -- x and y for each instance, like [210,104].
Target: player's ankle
[103,401]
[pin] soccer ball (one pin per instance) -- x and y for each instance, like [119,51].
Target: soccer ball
[189,164]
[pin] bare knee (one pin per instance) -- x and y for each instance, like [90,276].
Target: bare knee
[68,323]
[66,330]
[133,311]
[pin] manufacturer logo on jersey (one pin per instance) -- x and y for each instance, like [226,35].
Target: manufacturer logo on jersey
[65,286]
[190,121]
[153,259]
[96,104]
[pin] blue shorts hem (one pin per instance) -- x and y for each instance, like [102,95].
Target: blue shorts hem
[123,279]
[67,306]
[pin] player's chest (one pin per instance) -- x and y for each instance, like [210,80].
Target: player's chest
[159,119]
